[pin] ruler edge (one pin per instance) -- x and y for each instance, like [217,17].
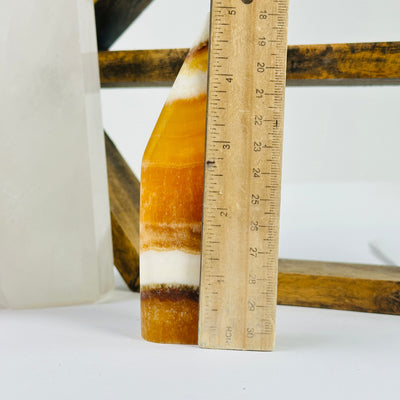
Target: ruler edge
[201,290]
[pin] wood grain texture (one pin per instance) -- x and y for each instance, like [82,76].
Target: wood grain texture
[331,64]
[140,67]
[113,17]
[353,287]
[124,192]
[336,64]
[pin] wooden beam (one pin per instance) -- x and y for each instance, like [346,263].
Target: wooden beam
[344,64]
[124,192]
[354,287]
[331,64]
[113,17]
[140,67]
[368,288]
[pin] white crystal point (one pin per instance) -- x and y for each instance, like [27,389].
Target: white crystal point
[55,234]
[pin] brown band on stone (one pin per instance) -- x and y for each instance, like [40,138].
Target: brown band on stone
[165,292]
[167,238]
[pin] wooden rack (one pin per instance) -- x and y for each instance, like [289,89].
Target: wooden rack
[330,64]
[355,287]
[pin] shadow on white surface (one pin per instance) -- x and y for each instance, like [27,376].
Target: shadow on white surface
[302,341]
[119,316]
[120,293]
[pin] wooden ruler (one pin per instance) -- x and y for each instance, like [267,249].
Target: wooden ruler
[247,67]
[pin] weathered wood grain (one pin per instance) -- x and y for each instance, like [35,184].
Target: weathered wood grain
[368,288]
[140,67]
[331,64]
[337,64]
[113,17]
[354,287]
[124,192]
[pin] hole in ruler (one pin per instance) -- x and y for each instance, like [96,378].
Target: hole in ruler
[247,1]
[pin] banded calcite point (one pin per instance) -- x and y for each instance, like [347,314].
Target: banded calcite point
[171,207]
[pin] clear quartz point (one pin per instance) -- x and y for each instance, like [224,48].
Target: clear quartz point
[55,234]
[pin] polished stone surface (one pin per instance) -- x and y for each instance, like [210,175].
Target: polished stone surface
[55,235]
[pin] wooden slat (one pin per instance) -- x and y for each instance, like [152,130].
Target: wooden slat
[368,288]
[140,68]
[301,283]
[124,192]
[113,17]
[336,64]
[354,287]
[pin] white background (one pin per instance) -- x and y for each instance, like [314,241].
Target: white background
[95,352]
[341,169]
[339,193]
